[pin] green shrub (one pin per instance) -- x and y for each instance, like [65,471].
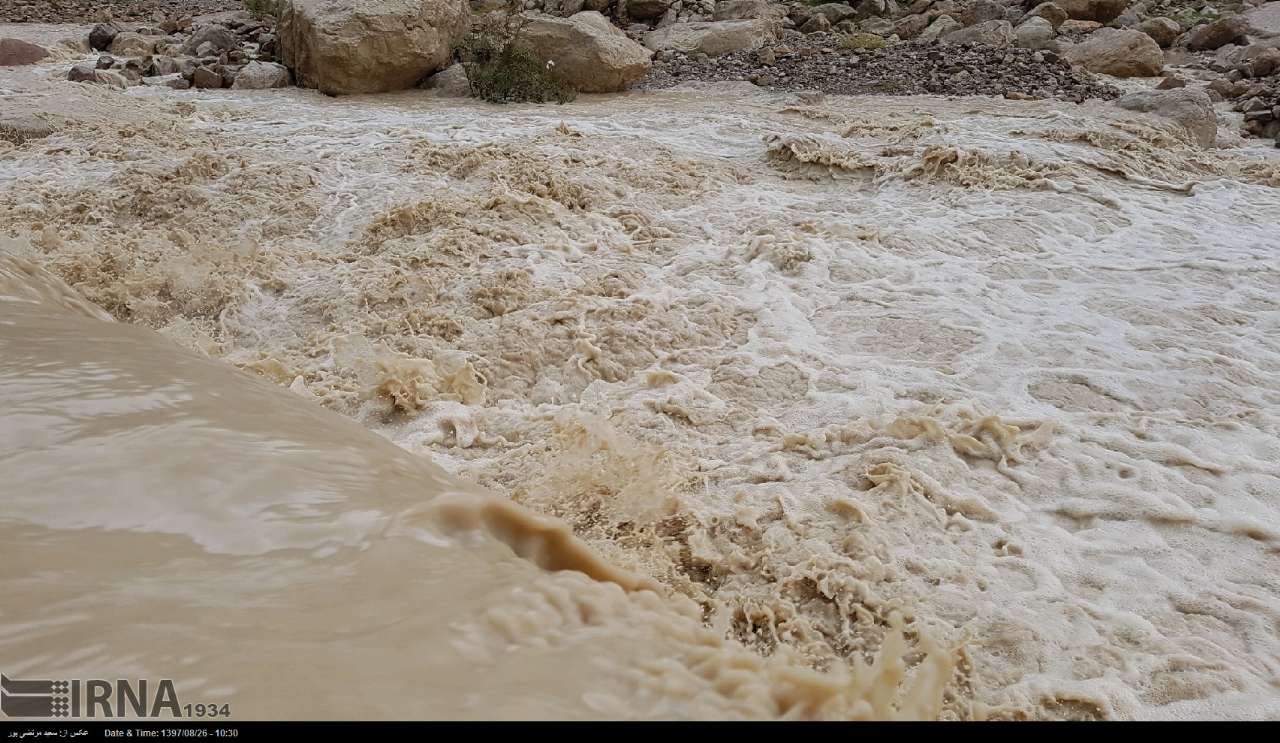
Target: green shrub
[501,71]
[264,8]
[862,42]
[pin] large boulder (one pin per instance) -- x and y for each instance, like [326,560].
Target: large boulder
[1163,30]
[713,38]
[132,44]
[1190,108]
[15,52]
[589,54]
[1051,12]
[1119,52]
[1036,33]
[87,73]
[261,76]
[834,12]
[219,39]
[1102,11]
[981,11]
[101,36]
[1219,33]
[991,33]
[370,46]
[941,26]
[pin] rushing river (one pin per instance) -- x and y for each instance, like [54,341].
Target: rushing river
[984,392]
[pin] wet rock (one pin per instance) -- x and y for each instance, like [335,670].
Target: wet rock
[206,78]
[101,36]
[211,38]
[160,65]
[1219,33]
[88,74]
[1164,31]
[1190,108]
[992,33]
[1119,52]
[105,62]
[378,46]
[16,52]
[713,38]
[261,76]
[23,128]
[590,54]
[132,44]
[175,81]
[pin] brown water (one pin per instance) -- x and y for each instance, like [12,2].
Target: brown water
[1002,369]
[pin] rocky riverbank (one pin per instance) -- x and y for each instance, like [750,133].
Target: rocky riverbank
[94,11]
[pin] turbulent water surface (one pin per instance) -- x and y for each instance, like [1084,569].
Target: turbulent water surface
[1001,374]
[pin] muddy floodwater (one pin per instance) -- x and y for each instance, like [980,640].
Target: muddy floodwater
[709,402]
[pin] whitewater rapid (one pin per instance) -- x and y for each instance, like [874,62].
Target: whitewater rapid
[1006,368]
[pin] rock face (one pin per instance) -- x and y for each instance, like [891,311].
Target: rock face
[1219,33]
[712,38]
[1119,52]
[341,47]
[590,54]
[1190,108]
[1102,11]
[992,33]
[261,76]
[1163,30]
[14,52]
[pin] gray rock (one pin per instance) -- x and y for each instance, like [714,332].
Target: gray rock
[88,74]
[206,78]
[218,38]
[981,11]
[1119,52]
[713,38]
[261,76]
[1219,33]
[1051,12]
[817,23]
[1164,31]
[992,33]
[745,10]
[130,44]
[175,81]
[23,128]
[451,82]
[1190,108]
[1036,33]
[910,26]
[101,36]
[835,12]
